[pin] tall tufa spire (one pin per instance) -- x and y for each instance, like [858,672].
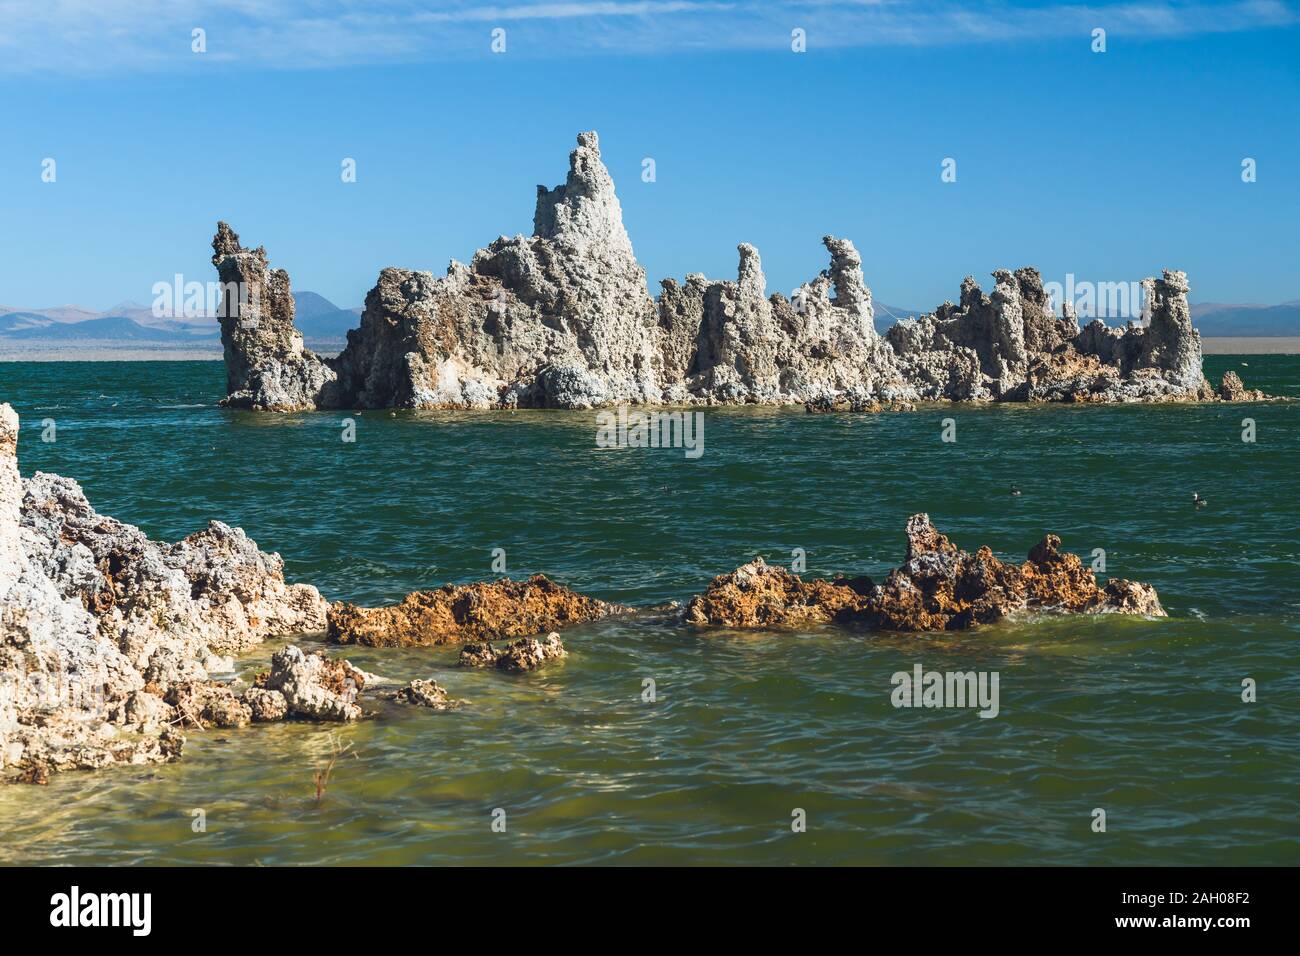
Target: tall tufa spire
[583,212]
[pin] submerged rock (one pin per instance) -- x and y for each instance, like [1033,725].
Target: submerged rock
[427,693]
[457,613]
[938,587]
[526,654]
[564,319]
[107,637]
[854,401]
[477,655]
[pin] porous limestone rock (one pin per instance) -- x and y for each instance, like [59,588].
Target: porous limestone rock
[146,711]
[761,595]
[316,686]
[563,319]
[1011,346]
[525,654]
[938,587]
[729,342]
[477,655]
[265,705]
[456,613]
[107,637]
[209,703]
[214,591]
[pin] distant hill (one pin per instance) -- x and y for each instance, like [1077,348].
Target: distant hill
[12,321]
[320,320]
[1216,319]
[114,328]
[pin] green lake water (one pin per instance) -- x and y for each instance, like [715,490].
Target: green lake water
[1143,719]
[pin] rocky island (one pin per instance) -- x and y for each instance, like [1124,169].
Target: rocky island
[938,587]
[564,319]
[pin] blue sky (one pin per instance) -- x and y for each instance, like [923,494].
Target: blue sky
[1105,165]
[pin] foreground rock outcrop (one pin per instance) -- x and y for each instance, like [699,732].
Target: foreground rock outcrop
[564,319]
[109,640]
[458,613]
[938,587]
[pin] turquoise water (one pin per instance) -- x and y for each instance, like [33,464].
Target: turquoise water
[1141,718]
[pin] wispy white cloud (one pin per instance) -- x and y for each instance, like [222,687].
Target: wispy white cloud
[119,35]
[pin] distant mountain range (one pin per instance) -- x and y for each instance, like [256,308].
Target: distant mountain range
[324,323]
[319,320]
[1215,319]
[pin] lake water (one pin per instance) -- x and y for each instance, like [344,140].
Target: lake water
[1143,719]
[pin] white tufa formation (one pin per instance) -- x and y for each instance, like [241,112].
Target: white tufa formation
[564,319]
[107,638]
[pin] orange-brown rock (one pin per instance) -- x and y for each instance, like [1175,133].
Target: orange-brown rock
[455,613]
[761,595]
[938,587]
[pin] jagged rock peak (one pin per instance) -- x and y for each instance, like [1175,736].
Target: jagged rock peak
[583,210]
[1171,344]
[851,292]
[226,243]
[749,274]
[267,366]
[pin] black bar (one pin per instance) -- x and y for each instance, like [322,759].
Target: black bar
[328,906]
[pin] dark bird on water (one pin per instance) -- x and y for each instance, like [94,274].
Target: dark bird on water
[1198,500]
[1015,492]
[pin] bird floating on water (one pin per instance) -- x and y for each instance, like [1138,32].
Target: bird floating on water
[1198,500]
[1015,492]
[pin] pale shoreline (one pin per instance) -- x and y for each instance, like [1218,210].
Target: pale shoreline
[107,352]
[1252,345]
